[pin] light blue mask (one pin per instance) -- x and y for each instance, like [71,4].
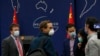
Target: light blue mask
[80,39]
[73,34]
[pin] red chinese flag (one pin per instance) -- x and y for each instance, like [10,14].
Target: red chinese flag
[15,17]
[71,16]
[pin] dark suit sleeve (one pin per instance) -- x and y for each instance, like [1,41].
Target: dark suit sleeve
[66,49]
[49,48]
[5,48]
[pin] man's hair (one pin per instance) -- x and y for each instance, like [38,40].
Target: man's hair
[44,23]
[90,22]
[69,26]
[13,25]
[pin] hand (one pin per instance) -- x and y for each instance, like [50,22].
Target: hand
[79,45]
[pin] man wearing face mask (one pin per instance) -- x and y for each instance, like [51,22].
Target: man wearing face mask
[93,45]
[71,41]
[11,46]
[46,31]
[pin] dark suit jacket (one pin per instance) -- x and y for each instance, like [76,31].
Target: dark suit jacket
[80,51]
[9,47]
[66,50]
[47,46]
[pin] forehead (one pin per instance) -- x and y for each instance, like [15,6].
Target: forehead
[79,34]
[71,28]
[49,24]
[15,27]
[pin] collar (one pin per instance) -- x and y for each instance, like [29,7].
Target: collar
[12,36]
[43,34]
[90,35]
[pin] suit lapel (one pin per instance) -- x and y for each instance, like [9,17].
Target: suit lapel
[75,43]
[13,44]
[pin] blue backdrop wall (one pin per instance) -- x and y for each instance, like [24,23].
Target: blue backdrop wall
[31,12]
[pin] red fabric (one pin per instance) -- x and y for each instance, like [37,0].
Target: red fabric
[19,47]
[15,17]
[71,16]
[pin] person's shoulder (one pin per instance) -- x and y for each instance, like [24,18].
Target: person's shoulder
[93,38]
[6,39]
[44,37]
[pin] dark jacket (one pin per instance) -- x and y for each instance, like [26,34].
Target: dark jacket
[81,51]
[9,47]
[66,50]
[47,46]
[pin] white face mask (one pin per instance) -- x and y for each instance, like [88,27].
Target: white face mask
[16,33]
[51,32]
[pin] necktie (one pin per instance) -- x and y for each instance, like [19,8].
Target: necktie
[19,47]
